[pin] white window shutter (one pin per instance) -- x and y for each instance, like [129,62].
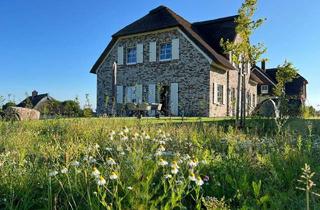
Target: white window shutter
[174,99]
[139,93]
[225,95]
[215,93]
[120,55]
[175,49]
[152,51]
[139,53]
[152,96]
[152,93]
[119,94]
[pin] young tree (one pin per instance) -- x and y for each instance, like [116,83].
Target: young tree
[243,53]
[286,73]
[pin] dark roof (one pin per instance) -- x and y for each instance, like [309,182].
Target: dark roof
[256,78]
[213,30]
[163,17]
[273,71]
[33,99]
[292,88]
[263,76]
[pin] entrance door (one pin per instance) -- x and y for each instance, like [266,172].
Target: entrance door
[164,99]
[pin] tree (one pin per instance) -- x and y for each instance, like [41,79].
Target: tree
[71,108]
[285,73]
[8,104]
[243,53]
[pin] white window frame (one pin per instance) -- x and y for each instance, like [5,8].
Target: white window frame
[264,89]
[128,49]
[165,44]
[220,95]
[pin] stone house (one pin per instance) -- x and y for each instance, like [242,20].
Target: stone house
[163,58]
[297,89]
[40,102]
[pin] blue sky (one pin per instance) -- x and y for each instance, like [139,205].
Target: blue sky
[50,45]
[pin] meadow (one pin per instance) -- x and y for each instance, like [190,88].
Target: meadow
[197,163]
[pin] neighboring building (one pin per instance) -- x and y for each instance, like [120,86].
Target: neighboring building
[165,59]
[37,101]
[295,90]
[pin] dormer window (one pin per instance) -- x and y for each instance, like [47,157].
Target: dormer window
[132,55]
[166,52]
[264,89]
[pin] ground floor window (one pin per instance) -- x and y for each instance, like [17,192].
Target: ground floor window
[220,94]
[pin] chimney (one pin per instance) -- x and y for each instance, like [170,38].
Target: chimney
[263,65]
[34,93]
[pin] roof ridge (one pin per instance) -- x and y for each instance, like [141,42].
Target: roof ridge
[223,19]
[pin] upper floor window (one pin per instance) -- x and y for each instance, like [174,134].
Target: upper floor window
[264,89]
[220,94]
[132,56]
[165,52]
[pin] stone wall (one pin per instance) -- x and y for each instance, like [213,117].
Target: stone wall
[191,71]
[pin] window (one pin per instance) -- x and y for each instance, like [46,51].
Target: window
[220,94]
[264,89]
[165,52]
[132,56]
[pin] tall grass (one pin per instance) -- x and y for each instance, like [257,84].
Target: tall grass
[133,164]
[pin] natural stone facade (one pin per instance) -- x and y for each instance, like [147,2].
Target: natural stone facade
[193,72]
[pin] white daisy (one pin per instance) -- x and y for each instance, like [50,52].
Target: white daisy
[101,181]
[95,173]
[64,170]
[75,163]
[111,161]
[174,170]
[109,149]
[193,163]
[167,176]
[53,173]
[126,130]
[130,188]
[113,176]
[192,177]
[163,162]
[199,181]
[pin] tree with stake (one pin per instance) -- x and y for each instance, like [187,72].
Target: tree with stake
[243,54]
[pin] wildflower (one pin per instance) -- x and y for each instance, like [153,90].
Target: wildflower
[124,138]
[97,146]
[113,176]
[199,181]
[174,164]
[53,173]
[163,162]
[92,160]
[109,149]
[130,188]
[193,163]
[64,170]
[161,148]
[147,137]
[95,173]
[126,130]
[112,133]
[167,176]
[206,178]
[101,181]
[75,163]
[174,170]
[192,177]
[111,161]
